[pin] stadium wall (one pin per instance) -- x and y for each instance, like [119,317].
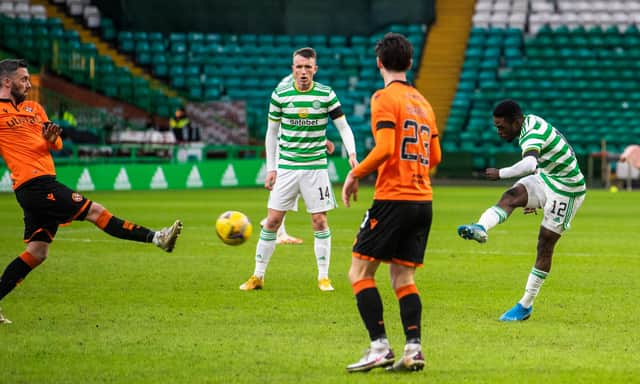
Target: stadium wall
[197,175]
[334,17]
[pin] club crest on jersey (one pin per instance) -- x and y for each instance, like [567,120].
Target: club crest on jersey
[28,109]
[75,196]
[316,104]
[303,113]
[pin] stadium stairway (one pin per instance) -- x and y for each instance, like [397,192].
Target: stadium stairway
[102,47]
[443,55]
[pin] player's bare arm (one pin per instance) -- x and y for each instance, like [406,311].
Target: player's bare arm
[492,173]
[350,188]
[270,180]
[353,162]
[330,147]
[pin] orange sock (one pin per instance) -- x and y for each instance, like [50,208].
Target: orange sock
[30,260]
[103,219]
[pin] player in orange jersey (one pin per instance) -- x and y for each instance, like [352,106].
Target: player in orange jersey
[26,139]
[396,227]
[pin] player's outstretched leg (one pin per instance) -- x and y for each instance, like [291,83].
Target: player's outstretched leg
[473,232]
[166,237]
[517,313]
[412,359]
[378,355]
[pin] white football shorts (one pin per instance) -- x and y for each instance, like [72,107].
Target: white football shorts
[559,210]
[313,185]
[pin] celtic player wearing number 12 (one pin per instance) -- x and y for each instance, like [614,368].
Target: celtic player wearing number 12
[554,183]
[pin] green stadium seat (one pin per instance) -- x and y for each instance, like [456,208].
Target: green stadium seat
[266,40]
[140,36]
[178,47]
[178,81]
[142,46]
[283,41]
[126,43]
[160,66]
[398,28]
[177,59]
[177,37]
[476,41]
[478,32]
[142,97]
[318,41]
[192,81]
[494,40]
[211,94]
[473,52]
[248,39]
[299,41]
[125,88]
[359,41]
[195,93]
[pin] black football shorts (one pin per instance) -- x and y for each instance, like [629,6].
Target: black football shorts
[394,231]
[47,204]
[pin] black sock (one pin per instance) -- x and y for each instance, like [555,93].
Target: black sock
[13,274]
[410,313]
[126,230]
[370,307]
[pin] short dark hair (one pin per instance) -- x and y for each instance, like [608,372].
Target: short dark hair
[306,52]
[395,52]
[9,66]
[507,109]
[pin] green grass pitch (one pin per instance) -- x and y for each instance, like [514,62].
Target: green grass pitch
[102,310]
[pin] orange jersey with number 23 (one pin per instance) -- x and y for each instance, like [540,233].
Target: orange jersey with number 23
[403,121]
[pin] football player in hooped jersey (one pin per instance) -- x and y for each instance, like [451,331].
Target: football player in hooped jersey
[296,162]
[282,236]
[396,227]
[552,181]
[26,139]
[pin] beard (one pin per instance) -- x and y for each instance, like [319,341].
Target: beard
[18,96]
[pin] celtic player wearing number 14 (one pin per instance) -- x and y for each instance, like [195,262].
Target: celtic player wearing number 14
[554,183]
[296,161]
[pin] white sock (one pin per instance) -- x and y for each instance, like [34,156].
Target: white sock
[264,249]
[411,349]
[322,248]
[492,217]
[381,343]
[534,283]
[282,231]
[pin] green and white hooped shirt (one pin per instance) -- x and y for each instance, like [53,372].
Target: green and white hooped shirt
[303,117]
[557,163]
